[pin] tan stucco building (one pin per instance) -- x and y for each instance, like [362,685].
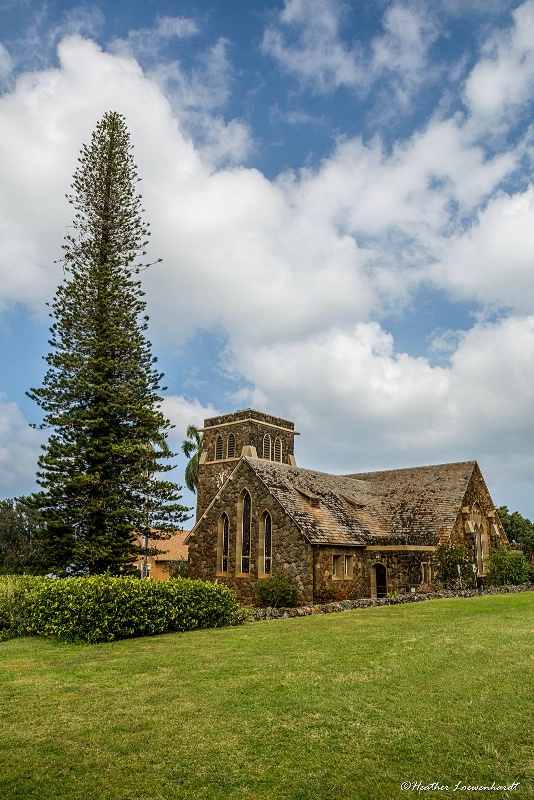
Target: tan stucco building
[173,550]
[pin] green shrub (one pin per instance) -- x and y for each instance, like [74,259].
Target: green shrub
[334,591]
[507,568]
[13,593]
[275,592]
[447,559]
[102,608]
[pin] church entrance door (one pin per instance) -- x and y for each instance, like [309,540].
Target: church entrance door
[381,580]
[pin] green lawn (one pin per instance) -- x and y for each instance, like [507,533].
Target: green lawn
[329,707]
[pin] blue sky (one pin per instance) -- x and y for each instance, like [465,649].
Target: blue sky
[341,195]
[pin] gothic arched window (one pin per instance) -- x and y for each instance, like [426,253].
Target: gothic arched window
[277,449]
[219,449]
[224,543]
[267,545]
[231,446]
[245,533]
[267,447]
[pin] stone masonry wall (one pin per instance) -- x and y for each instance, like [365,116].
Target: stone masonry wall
[403,569]
[291,553]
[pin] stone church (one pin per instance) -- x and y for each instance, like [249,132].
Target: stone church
[258,514]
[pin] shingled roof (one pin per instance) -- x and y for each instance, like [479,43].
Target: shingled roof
[420,500]
[393,506]
[347,513]
[400,505]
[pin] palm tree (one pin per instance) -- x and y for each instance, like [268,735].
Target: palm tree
[192,448]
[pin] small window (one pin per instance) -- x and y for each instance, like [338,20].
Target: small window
[231,446]
[267,447]
[219,449]
[426,572]
[278,449]
[148,567]
[337,566]
[267,544]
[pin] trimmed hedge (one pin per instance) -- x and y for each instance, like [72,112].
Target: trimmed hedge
[102,608]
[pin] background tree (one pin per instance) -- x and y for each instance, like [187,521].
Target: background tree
[18,531]
[192,448]
[519,530]
[100,472]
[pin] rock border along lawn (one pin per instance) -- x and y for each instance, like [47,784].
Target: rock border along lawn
[261,614]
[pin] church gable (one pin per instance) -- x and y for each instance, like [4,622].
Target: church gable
[245,535]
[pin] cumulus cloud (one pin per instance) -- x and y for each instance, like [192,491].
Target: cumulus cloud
[19,449]
[183,412]
[503,79]
[492,261]
[356,398]
[297,272]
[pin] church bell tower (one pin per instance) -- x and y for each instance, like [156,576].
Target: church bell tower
[229,437]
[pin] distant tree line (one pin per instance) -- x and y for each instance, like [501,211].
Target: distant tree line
[519,531]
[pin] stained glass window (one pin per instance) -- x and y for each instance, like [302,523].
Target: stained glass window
[267,545]
[245,542]
[224,563]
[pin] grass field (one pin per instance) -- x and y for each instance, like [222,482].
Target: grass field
[335,707]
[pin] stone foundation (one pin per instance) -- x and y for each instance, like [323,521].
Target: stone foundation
[261,614]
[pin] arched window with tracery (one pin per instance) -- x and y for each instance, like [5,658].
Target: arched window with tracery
[267,543]
[231,446]
[277,449]
[245,532]
[267,447]
[219,449]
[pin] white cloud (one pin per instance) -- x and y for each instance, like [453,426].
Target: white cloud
[19,449]
[401,52]
[148,42]
[492,261]
[503,79]
[307,42]
[293,270]
[318,57]
[183,412]
[355,398]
